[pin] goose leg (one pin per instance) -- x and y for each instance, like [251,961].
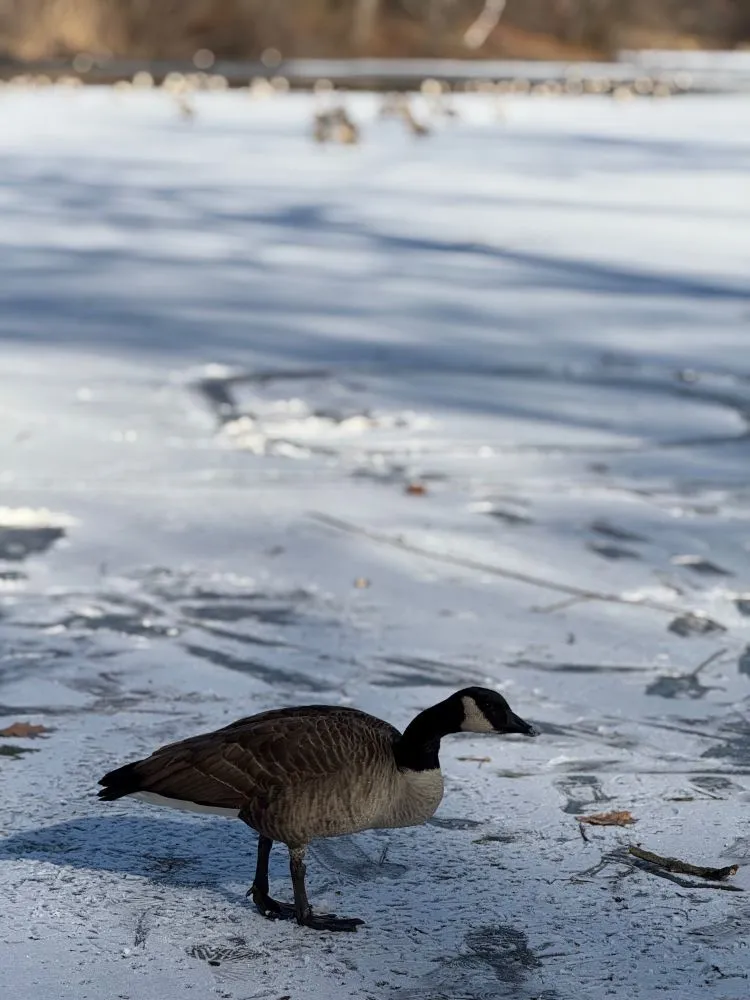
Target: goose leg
[269,907]
[303,910]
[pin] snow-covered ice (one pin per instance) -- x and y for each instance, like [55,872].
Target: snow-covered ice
[226,354]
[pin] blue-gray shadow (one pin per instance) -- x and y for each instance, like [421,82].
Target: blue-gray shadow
[204,851]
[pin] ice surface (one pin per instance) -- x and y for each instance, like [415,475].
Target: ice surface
[226,354]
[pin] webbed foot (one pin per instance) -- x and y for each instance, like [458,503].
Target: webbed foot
[329,922]
[270,908]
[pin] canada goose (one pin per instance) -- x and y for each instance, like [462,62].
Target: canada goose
[414,126]
[335,125]
[185,108]
[296,774]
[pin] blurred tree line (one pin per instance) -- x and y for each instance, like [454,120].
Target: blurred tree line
[36,29]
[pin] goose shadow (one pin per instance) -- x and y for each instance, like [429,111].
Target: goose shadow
[180,853]
[205,852]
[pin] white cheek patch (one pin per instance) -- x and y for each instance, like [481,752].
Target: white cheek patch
[475,721]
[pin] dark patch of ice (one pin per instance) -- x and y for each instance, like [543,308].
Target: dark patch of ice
[497,838]
[680,686]
[509,516]
[120,622]
[388,475]
[691,624]
[736,741]
[700,565]
[10,750]
[423,671]
[221,611]
[602,527]
[582,668]
[217,393]
[16,544]
[244,638]
[715,783]
[612,552]
[275,676]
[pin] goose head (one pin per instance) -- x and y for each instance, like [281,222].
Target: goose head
[486,711]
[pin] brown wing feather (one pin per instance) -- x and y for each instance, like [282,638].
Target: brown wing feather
[253,758]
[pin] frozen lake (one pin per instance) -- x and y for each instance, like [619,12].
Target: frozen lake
[286,423]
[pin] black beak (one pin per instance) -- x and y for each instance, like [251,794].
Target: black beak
[517,725]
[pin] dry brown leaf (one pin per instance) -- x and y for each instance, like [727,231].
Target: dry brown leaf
[416,489]
[19,730]
[618,817]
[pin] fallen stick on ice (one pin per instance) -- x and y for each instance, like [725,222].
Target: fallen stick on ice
[682,867]
[638,859]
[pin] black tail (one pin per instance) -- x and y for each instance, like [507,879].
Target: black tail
[122,781]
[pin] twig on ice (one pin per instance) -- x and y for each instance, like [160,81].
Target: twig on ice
[567,602]
[710,659]
[683,867]
[630,862]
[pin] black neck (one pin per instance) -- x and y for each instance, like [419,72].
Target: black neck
[419,747]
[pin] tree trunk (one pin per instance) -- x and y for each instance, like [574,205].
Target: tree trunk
[363,24]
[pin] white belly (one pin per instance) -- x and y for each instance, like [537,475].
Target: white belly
[185,806]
